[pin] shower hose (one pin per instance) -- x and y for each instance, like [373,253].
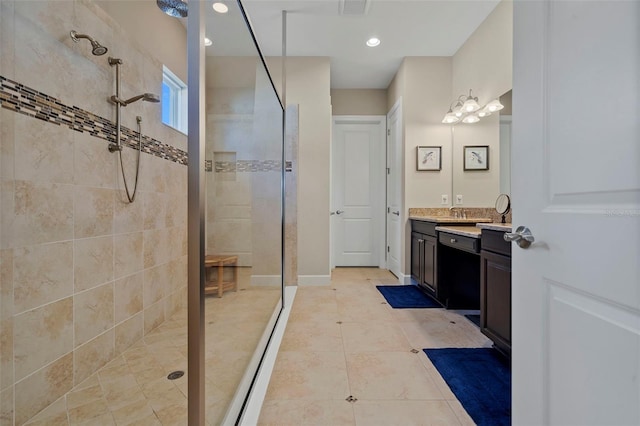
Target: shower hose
[132,196]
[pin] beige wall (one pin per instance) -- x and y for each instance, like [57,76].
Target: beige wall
[308,82]
[424,83]
[483,64]
[308,85]
[155,31]
[83,275]
[428,88]
[359,102]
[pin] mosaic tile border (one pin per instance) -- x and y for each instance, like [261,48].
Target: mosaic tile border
[25,100]
[250,166]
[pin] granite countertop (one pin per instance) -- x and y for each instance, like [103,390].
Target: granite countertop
[449,219]
[465,231]
[496,226]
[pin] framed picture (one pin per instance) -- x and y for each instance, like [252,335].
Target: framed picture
[428,158]
[476,157]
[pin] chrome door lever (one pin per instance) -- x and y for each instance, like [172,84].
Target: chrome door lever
[396,213]
[522,236]
[339,212]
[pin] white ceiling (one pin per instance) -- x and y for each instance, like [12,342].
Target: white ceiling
[315,28]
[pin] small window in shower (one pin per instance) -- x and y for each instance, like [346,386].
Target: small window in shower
[174,101]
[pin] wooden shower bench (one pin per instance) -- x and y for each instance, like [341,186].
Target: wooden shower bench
[220,261]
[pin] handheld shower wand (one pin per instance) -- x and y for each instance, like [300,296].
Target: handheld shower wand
[117,145]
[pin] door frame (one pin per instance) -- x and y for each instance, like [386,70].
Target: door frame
[379,200]
[396,109]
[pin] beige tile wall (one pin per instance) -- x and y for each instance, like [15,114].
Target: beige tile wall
[83,275]
[244,208]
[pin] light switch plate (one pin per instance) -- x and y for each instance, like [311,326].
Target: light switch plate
[459,199]
[445,199]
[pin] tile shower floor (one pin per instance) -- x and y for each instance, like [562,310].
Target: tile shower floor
[133,389]
[344,342]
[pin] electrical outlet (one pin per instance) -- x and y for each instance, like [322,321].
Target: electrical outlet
[459,199]
[445,199]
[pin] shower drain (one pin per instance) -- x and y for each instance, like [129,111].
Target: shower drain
[175,375]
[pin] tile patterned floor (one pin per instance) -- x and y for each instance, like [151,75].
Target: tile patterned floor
[344,340]
[133,388]
[341,340]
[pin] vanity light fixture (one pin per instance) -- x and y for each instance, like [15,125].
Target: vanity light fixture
[373,42]
[220,7]
[207,41]
[471,118]
[490,108]
[467,109]
[455,112]
[470,104]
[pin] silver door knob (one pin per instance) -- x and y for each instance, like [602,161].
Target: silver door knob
[339,211]
[396,213]
[522,236]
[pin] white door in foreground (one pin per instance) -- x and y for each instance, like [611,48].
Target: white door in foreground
[576,185]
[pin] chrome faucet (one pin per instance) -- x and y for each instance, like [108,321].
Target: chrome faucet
[461,214]
[453,211]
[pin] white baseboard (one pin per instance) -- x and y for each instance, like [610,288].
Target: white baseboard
[405,279]
[256,397]
[266,280]
[314,279]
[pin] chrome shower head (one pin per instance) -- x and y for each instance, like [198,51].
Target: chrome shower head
[175,8]
[147,97]
[97,48]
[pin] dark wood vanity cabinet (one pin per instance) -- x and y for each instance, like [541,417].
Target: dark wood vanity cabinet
[495,289]
[424,255]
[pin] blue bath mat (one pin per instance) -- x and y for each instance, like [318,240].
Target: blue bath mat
[481,380]
[406,296]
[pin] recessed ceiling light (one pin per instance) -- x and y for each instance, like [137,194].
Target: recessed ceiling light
[373,42]
[207,42]
[220,7]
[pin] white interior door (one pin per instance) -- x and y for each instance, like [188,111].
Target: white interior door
[576,185]
[357,193]
[394,203]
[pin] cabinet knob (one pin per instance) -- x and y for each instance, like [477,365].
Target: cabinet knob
[453,240]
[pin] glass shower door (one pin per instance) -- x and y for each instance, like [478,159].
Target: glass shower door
[243,223]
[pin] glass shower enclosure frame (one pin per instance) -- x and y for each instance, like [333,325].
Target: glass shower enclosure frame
[197,220]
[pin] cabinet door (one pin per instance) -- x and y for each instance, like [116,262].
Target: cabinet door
[495,299]
[430,265]
[416,256]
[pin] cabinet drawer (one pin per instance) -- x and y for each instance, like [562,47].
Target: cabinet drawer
[469,244]
[428,228]
[494,241]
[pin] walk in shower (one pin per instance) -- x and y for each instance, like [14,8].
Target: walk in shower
[94,289]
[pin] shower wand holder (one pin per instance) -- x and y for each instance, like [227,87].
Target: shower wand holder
[114,147]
